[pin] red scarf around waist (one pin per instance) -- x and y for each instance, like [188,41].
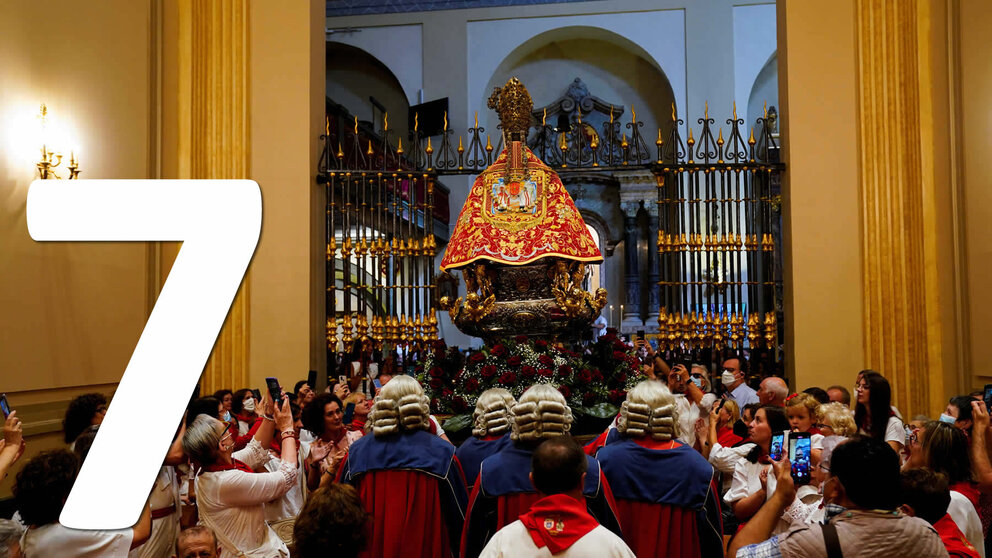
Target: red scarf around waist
[557,521]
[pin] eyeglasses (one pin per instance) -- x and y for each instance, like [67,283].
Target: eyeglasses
[861,387]
[696,375]
[914,436]
[824,468]
[824,426]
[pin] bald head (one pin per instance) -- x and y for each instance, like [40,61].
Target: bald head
[773,391]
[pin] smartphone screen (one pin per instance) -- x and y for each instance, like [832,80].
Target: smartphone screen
[274,390]
[377,384]
[799,455]
[349,412]
[257,394]
[775,449]
[312,379]
[4,405]
[988,396]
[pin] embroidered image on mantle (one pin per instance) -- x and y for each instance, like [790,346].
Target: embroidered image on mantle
[515,197]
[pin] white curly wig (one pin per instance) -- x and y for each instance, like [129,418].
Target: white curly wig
[649,411]
[541,413]
[493,413]
[400,406]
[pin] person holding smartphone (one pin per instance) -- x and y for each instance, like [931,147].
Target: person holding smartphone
[230,496]
[12,446]
[323,417]
[748,489]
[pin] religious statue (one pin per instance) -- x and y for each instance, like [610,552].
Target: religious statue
[520,242]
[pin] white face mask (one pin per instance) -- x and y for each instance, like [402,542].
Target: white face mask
[727,378]
[227,416]
[249,405]
[944,417]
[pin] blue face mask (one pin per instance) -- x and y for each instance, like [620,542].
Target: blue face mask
[698,382]
[948,419]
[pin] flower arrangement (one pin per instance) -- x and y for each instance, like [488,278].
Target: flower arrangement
[594,384]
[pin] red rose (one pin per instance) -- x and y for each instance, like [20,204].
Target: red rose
[546,360]
[471,385]
[508,379]
[585,376]
[436,383]
[419,369]
[476,358]
[435,403]
[541,345]
[589,399]
[617,355]
[488,371]
[528,371]
[440,346]
[520,339]
[564,370]
[565,391]
[515,360]
[608,338]
[437,372]
[616,396]
[618,345]
[622,378]
[446,393]
[546,372]
[597,376]
[459,404]
[500,350]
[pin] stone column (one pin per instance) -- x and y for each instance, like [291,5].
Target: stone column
[632,279]
[653,291]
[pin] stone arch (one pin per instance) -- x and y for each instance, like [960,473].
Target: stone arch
[763,90]
[353,75]
[613,67]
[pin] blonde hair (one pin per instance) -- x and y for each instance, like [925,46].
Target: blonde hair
[492,415]
[733,409]
[354,397]
[541,413]
[201,440]
[808,401]
[400,406]
[841,418]
[649,411]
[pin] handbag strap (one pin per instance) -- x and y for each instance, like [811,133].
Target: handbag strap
[831,540]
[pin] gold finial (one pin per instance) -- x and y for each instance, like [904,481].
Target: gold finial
[416,122]
[594,144]
[399,148]
[356,125]
[766,109]
[514,105]
[690,140]
[340,151]
[751,139]
[429,149]
[544,117]
[445,121]
[385,121]
[580,117]
[673,111]
[476,119]
[633,114]
[460,148]
[489,144]
[706,110]
[735,110]
[623,140]
[562,144]
[719,140]
[369,152]
[327,125]
[659,141]
[611,114]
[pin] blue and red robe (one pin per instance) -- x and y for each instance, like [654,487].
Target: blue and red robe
[414,488]
[503,492]
[474,450]
[667,501]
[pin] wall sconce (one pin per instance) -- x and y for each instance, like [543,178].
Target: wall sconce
[50,160]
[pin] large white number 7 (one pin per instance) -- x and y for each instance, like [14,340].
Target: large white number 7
[218,222]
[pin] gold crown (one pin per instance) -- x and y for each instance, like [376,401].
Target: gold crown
[513,104]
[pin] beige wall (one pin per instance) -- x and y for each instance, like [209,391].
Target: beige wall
[287,116]
[821,217]
[70,314]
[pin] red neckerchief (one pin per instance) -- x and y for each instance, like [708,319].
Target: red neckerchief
[652,444]
[557,522]
[356,425]
[235,464]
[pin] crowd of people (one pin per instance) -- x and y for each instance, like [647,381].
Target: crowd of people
[689,467]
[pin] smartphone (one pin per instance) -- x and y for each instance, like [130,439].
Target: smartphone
[640,334]
[377,384]
[274,390]
[775,449]
[988,396]
[349,412]
[257,394]
[343,379]
[312,379]
[799,455]
[4,405]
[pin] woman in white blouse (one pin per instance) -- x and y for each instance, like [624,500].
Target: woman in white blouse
[230,495]
[749,490]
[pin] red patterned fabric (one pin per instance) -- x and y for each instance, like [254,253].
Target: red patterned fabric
[651,529]
[407,520]
[519,222]
[955,542]
[726,437]
[557,522]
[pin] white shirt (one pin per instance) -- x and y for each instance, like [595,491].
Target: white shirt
[292,501]
[744,395]
[165,530]
[688,413]
[55,540]
[963,512]
[596,332]
[725,460]
[514,541]
[232,502]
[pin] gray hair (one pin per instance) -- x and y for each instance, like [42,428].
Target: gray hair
[541,413]
[10,534]
[202,439]
[193,532]
[492,415]
[401,405]
[649,411]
